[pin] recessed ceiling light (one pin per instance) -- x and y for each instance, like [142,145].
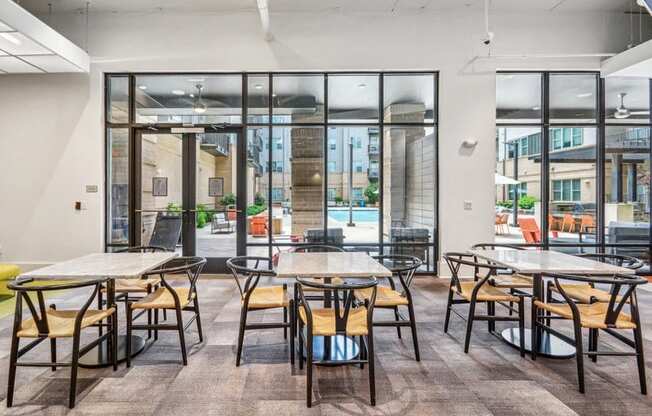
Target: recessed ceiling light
[536,108]
[258,86]
[196,79]
[11,38]
[508,76]
[584,95]
[192,95]
[142,87]
[273,95]
[362,85]
[178,92]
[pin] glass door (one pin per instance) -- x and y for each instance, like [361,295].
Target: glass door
[187,196]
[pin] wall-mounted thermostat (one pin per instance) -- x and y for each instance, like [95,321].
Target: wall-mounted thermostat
[91,189]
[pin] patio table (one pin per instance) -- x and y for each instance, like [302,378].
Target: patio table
[104,265]
[534,263]
[327,266]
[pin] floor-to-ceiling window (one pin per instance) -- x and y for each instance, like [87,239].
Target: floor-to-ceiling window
[582,145]
[343,158]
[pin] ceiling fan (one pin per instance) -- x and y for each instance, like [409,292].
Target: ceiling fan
[623,112]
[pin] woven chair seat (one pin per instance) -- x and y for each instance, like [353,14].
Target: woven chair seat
[319,280]
[268,297]
[61,323]
[134,285]
[385,296]
[323,321]
[591,316]
[486,293]
[513,281]
[162,298]
[584,293]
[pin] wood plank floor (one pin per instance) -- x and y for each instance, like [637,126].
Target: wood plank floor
[491,379]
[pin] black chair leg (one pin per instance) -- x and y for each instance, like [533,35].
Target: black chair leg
[413,327]
[579,355]
[114,328]
[53,352]
[534,340]
[397,317]
[149,323]
[73,371]
[491,311]
[100,301]
[372,373]
[13,358]
[300,341]
[291,324]
[128,341]
[511,304]
[521,324]
[155,323]
[448,309]
[243,322]
[309,372]
[285,321]
[198,319]
[182,338]
[469,327]
[640,358]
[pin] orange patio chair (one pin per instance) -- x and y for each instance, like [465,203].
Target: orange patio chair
[530,229]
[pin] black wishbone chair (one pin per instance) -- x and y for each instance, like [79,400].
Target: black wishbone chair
[52,323]
[341,319]
[587,292]
[178,299]
[478,290]
[607,316]
[403,267]
[254,298]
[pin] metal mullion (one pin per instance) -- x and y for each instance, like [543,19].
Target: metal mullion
[381,163]
[545,158]
[650,160]
[435,237]
[600,165]
[324,188]
[270,111]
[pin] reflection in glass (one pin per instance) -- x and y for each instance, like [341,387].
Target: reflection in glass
[258,188]
[409,98]
[573,185]
[573,98]
[258,99]
[118,186]
[409,188]
[518,184]
[118,106]
[353,174]
[352,98]
[298,99]
[518,98]
[190,99]
[297,177]
[628,100]
[627,182]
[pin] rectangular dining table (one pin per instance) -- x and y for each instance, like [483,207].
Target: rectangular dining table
[345,265]
[104,265]
[534,263]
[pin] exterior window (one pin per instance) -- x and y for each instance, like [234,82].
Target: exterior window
[523,147]
[566,190]
[277,166]
[277,194]
[577,137]
[556,139]
[357,166]
[332,166]
[279,143]
[358,143]
[357,194]
[522,190]
[332,193]
[332,144]
[566,137]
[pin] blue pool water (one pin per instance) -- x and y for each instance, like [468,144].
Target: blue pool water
[359,214]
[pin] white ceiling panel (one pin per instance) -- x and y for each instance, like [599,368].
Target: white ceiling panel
[51,63]
[11,64]
[15,43]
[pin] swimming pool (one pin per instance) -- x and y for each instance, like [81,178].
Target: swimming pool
[359,214]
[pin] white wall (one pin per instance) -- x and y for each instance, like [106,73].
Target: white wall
[52,140]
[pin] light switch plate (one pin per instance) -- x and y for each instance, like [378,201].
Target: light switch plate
[468,205]
[91,189]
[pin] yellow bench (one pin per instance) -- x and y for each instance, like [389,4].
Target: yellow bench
[8,272]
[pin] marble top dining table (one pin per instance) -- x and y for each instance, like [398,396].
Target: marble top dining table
[101,265]
[331,264]
[546,261]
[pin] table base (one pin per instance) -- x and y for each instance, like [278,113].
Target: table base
[550,345]
[99,357]
[334,348]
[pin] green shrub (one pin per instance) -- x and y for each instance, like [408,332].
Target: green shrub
[203,216]
[228,199]
[259,199]
[255,209]
[338,199]
[526,202]
[505,204]
[173,208]
[371,192]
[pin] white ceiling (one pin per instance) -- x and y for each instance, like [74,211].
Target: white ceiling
[388,6]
